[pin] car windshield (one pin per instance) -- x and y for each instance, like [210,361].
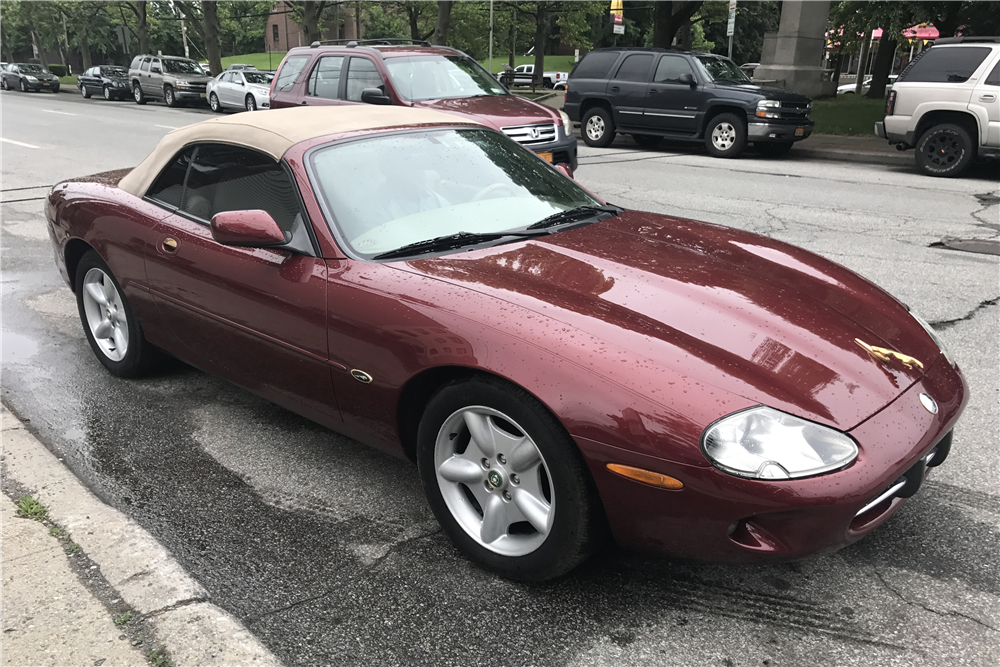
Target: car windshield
[119,72]
[255,77]
[435,77]
[32,67]
[182,66]
[723,69]
[395,190]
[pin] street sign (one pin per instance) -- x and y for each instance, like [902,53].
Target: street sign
[731,26]
[616,19]
[618,29]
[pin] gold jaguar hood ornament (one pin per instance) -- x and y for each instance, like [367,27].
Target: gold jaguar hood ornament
[888,356]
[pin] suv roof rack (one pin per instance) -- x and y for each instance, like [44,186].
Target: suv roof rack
[967,40]
[350,43]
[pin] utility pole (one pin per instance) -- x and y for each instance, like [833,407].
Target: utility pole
[184,37]
[491,37]
[862,64]
[731,26]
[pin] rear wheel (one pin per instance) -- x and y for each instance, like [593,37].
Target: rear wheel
[944,150]
[772,149]
[84,92]
[506,482]
[726,135]
[647,140]
[598,128]
[111,326]
[137,94]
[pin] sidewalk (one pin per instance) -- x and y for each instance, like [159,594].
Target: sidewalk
[89,586]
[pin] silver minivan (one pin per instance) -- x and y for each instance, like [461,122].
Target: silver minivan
[173,79]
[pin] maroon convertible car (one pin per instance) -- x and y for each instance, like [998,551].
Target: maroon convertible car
[557,367]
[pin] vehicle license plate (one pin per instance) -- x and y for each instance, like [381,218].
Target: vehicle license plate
[46,84]
[203,94]
[545,155]
[799,131]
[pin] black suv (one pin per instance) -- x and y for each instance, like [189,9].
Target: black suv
[690,96]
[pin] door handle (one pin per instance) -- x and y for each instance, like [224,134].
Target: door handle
[652,90]
[169,245]
[987,98]
[615,89]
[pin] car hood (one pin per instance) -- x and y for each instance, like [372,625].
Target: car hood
[497,111]
[744,313]
[190,78]
[766,91]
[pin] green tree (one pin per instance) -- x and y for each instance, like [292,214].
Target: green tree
[204,16]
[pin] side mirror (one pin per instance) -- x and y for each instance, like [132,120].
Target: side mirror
[687,78]
[564,169]
[154,70]
[252,229]
[374,96]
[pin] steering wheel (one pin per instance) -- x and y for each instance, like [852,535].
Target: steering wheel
[490,190]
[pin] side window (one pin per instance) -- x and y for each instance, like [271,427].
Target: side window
[670,68]
[947,64]
[169,185]
[994,78]
[230,178]
[145,65]
[135,62]
[156,66]
[361,74]
[325,78]
[289,73]
[635,67]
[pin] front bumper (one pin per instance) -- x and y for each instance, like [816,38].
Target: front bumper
[779,132]
[563,149]
[190,95]
[720,517]
[43,85]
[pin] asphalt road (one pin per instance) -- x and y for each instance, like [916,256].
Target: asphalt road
[327,551]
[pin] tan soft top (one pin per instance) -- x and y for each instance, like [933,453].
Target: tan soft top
[275,131]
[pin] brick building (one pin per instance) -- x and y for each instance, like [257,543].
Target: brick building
[284,33]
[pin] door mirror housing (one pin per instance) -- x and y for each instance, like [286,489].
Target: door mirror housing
[374,96]
[688,79]
[250,229]
[154,70]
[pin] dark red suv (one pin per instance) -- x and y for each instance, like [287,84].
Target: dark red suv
[420,75]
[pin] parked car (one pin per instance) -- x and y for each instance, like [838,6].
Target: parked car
[524,75]
[28,77]
[239,89]
[683,95]
[849,88]
[173,79]
[240,66]
[433,77]
[555,365]
[946,105]
[109,81]
[749,68]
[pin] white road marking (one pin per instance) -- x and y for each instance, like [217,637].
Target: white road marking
[61,113]
[167,127]
[17,143]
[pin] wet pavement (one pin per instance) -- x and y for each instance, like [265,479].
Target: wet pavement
[327,551]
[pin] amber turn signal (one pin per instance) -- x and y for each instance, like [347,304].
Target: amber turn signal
[646,476]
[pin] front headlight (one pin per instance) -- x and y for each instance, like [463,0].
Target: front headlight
[30,78]
[934,336]
[764,443]
[565,121]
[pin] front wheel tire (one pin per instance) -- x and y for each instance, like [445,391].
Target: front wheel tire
[726,136]
[506,482]
[944,150]
[137,94]
[251,103]
[107,93]
[170,97]
[598,128]
[213,103]
[84,92]
[109,323]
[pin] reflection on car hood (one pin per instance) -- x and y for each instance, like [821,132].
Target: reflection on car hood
[769,93]
[496,111]
[770,322]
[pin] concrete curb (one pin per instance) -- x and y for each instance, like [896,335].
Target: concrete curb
[140,570]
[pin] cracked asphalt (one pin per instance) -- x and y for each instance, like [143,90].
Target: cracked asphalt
[327,551]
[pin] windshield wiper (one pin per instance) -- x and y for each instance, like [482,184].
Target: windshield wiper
[578,214]
[450,242]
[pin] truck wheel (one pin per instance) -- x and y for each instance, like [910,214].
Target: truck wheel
[169,97]
[726,135]
[137,94]
[598,128]
[944,150]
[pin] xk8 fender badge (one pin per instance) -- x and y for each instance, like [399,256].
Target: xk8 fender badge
[361,376]
[887,356]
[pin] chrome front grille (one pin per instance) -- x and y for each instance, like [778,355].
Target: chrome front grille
[529,135]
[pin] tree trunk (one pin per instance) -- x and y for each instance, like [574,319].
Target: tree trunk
[357,20]
[948,21]
[142,27]
[883,65]
[212,31]
[862,64]
[838,66]
[684,38]
[440,36]
[541,30]
[311,11]
[513,39]
[668,18]
[36,45]
[413,13]
[84,39]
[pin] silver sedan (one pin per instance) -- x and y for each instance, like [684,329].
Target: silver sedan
[239,89]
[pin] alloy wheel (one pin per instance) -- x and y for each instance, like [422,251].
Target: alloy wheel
[137,93]
[107,92]
[251,103]
[943,149]
[494,481]
[723,136]
[595,128]
[105,314]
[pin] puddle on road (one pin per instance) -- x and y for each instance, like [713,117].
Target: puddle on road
[17,349]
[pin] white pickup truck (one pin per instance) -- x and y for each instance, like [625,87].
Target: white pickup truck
[522,76]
